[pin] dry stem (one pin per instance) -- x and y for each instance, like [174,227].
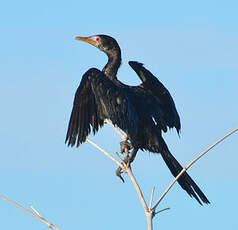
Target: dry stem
[122,135]
[149,212]
[31,213]
[106,153]
[151,197]
[190,164]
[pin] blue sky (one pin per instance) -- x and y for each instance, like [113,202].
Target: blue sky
[192,47]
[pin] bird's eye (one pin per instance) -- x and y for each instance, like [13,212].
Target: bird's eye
[97,39]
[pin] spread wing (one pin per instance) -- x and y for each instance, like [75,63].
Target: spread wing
[96,99]
[157,89]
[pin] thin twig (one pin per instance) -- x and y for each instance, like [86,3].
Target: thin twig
[31,213]
[122,135]
[119,156]
[190,164]
[151,197]
[37,213]
[165,209]
[106,153]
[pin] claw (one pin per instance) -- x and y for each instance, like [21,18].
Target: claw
[125,145]
[118,173]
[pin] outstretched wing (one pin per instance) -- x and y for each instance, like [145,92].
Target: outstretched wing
[98,98]
[157,89]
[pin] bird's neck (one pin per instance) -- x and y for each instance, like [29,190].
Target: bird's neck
[113,64]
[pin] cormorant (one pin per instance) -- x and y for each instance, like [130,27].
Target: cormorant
[142,111]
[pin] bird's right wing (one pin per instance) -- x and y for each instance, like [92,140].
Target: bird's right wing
[96,99]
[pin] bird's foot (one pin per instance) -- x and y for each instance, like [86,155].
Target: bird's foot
[125,146]
[127,161]
[129,158]
[119,171]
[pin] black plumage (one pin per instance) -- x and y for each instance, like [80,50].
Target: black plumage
[142,112]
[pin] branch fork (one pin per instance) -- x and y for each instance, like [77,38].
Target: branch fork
[150,211]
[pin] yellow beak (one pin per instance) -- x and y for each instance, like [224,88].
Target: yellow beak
[90,40]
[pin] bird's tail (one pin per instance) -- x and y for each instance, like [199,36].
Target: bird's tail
[185,181]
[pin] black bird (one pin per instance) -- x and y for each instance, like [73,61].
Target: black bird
[142,111]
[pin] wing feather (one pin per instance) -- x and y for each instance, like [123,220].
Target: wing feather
[96,99]
[159,91]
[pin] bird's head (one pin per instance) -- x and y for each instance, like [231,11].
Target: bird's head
[105,43]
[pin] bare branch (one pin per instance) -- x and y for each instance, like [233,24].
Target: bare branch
[119,156]
[37,213]
[31,213]
[151,198]
[138,190]
[150,212]
[165,209]
[190,164]
[106,153]
[127,169]
[122,135]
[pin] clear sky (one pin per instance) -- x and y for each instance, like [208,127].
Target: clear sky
[191,46]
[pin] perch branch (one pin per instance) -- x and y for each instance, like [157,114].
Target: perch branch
[190,164]
[106,153]
[150,212]
[138,190]
[31,213]
[122,135]
[126,168]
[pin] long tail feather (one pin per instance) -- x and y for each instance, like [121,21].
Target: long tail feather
[185,181]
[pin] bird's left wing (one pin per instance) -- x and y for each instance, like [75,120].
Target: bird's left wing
[158,90]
